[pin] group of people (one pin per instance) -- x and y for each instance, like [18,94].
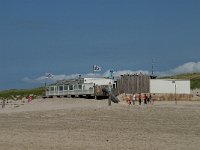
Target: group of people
[141,98]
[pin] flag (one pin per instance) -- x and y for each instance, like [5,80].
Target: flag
[48,75]
[96,68]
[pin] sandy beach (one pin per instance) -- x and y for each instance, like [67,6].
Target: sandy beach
[87,124]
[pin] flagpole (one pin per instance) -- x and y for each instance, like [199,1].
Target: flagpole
[47,76]
[45,82]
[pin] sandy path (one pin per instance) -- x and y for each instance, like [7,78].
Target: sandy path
[75,124]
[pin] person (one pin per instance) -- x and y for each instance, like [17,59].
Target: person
[145,99]
[29,98]
[140,99]
[150,98]
[134,99]
[129,100]
[3,103]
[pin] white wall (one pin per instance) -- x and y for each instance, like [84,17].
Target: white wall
[99,81]
[169,86]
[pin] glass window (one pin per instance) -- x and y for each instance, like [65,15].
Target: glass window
[61,88]
[80,87]
[51,88]
[71,87]
[66,87]
[75,87]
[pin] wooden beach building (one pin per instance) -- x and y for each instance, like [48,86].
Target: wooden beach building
[136,83]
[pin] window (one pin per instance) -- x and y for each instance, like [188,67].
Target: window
[61,88]
[80,87]
[75,87]
[71,87]
[51,88]
[66,87]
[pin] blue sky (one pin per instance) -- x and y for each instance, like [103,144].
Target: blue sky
[67,37]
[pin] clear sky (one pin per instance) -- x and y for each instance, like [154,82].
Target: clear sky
[66,37]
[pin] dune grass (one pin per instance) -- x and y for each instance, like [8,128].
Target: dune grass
[193,77]
[21,93]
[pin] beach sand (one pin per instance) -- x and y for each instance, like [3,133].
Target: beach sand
[87,124]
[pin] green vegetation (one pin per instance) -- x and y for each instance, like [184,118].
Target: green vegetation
[193,77]
[19,94]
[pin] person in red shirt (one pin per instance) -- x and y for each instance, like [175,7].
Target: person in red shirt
[30,98]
